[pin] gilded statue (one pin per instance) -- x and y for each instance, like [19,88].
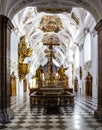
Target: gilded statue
[13,77]
[13,84]
[61,72]
[39,72]
[88,83]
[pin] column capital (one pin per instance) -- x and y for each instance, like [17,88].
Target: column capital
[98,26]
[4,20]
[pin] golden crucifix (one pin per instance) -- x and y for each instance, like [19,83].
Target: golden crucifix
[50,54]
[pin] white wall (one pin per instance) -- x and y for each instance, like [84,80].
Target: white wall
[81,82]
[14,52]
[95,66]
[92,67]
[14,62]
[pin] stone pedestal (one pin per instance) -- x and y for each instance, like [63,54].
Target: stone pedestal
[98,112]
[5,31]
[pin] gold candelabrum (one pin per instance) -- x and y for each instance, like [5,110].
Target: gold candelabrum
[23,52]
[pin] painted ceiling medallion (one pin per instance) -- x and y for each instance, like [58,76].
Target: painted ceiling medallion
[51,23]
[50,39]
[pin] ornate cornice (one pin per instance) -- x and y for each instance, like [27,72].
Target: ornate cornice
[6,21]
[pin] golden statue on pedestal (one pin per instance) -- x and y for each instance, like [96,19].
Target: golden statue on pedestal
[13,84]
[88,84]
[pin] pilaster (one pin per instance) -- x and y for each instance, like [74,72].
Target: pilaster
[98,112]
[5,32]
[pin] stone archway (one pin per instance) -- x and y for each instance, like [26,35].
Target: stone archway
[53,5]
[5,31]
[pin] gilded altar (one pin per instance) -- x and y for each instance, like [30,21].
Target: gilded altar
[51,86]
[61,100]
[51,92]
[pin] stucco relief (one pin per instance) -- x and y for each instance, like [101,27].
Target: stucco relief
[88,65]
[50,39]
[89,7]
[25,3]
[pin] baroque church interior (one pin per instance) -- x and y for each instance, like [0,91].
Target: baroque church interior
[50,64]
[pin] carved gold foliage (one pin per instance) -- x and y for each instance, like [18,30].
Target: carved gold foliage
[23,52]
[23,70]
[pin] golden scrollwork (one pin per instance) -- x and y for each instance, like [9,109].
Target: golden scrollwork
[23,52]
[23,70]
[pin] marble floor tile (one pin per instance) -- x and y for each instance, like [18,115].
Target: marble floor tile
[80,117]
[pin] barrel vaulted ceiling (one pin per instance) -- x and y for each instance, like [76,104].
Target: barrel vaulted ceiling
[28,22]
[11,7]
[74,18]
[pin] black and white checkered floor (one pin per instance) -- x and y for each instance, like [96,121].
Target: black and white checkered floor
[81,117]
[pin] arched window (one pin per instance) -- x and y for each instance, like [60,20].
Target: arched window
[77,58]
[87,48]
